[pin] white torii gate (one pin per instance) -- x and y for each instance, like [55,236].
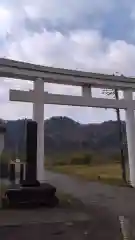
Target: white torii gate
[40,74]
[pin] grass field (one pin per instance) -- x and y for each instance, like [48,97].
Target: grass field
[107,173]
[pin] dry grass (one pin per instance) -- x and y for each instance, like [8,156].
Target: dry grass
[107,173]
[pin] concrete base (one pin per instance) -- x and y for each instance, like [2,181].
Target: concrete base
[30,196]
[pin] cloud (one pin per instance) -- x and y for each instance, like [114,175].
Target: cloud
[67,11]
[5,17]
[112,17]
[86,50]
[24,35]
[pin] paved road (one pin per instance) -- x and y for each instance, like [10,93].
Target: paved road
[118,200]
[98,217]
[58,231]
[104,203]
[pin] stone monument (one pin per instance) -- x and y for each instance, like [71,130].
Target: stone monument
[30,192]
[2,138]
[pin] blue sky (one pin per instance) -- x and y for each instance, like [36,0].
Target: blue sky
[96,36]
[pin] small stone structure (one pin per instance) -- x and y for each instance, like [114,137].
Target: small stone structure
[15,171]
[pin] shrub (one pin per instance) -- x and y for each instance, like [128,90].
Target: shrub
[81,160]
[60,163]
[87,159]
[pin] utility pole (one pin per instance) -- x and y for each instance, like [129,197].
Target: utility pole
[115,94]
[120,130]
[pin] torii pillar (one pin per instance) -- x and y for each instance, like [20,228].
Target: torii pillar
[38,116]
[130,130]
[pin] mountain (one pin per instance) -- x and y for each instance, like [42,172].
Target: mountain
[63,135]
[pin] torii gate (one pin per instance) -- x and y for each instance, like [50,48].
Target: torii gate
[40,74]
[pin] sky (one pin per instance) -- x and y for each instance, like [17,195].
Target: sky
[96,36]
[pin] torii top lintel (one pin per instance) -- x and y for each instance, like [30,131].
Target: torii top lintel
[27,71]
